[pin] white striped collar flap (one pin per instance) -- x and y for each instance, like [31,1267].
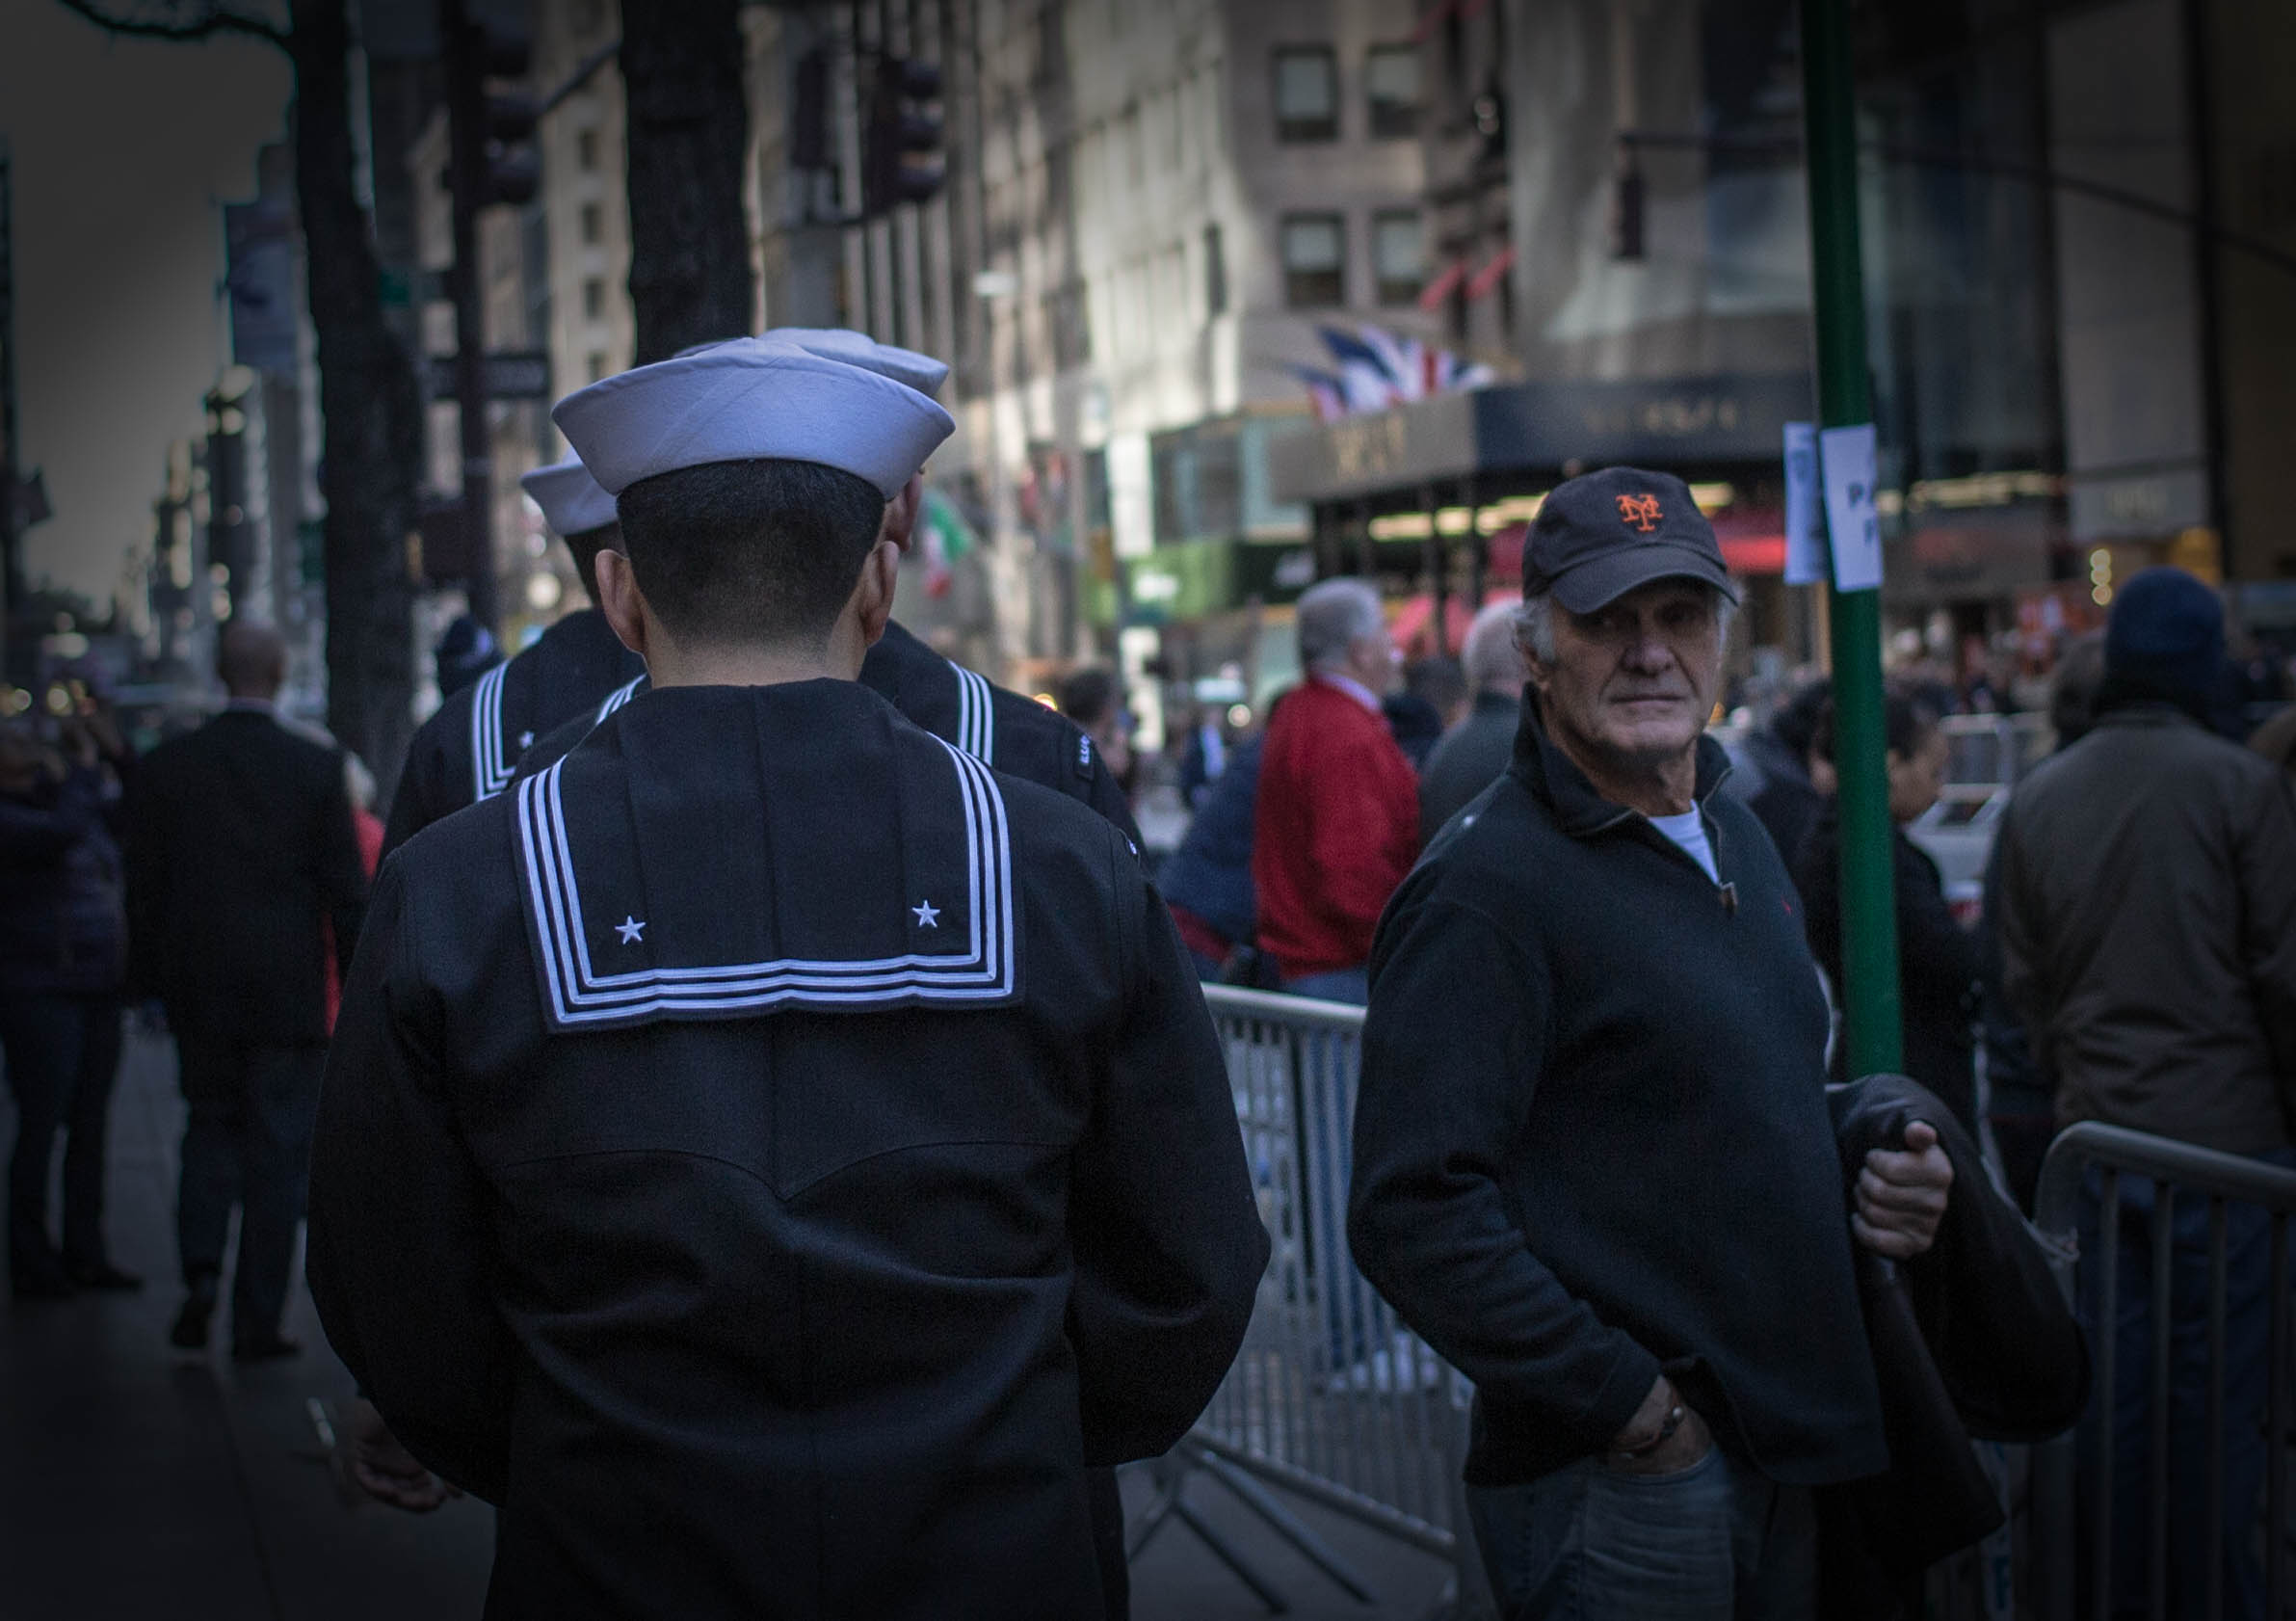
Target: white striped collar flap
[490,770]
[976,714]
[616,699]
[585,893]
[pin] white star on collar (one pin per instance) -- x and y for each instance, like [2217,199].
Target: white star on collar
[525,739]
[927,915]
[632,931]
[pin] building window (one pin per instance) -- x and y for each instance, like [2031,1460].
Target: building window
[1307,93]
[1314,261]
[1215,273]
[1391,87]
[586,150]
[593,223]
[1398,255]
[594,300]
[597,364]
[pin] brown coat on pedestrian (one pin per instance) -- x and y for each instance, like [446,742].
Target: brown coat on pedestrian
[2275,738]
[2149,931]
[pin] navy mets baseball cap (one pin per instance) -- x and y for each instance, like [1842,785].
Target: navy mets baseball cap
[1601,535]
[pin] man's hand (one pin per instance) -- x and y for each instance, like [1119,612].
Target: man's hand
[1901,1195]
[1689,1442]
[384,1470]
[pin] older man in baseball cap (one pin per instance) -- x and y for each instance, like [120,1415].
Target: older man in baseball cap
[1594,1163]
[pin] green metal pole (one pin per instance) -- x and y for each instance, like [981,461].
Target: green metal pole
[1869,994]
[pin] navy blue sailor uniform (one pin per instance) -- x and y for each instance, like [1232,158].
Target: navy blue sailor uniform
[772,1156]
[990,723]
[469,748]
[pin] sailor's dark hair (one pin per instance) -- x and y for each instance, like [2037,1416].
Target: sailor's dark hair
[750,551]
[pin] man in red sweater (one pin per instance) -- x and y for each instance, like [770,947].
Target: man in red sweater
[1338,822]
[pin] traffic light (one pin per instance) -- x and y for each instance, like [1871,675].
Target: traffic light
[900,153]
[491,160]
[503,166]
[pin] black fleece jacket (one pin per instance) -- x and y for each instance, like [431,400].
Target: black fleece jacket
[1591,1140]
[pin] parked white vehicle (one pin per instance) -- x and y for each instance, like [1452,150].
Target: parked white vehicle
[1989,755]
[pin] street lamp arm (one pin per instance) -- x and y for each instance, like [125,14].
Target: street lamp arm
[181,22]
[2008,169]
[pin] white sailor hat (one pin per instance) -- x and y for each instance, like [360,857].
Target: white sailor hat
[922,372]
[750,400]
[571,499]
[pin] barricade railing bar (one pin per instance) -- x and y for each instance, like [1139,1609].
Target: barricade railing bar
[2110,1531]
[1330,1397]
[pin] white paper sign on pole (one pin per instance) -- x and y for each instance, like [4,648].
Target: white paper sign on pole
[1846,455]
[1804,538]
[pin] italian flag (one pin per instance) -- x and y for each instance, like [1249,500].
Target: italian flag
[947,538]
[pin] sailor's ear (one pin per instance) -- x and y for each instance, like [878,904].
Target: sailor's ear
[620,600]
[901,513]
[873,592]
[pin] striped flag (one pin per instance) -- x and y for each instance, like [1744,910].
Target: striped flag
[947,538]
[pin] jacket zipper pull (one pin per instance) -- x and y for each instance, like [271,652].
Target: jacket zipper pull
[1730,898]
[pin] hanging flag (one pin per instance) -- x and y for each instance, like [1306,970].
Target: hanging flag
[1433,295]
[1349,350]
[1379,370]
[947,538]
[1398,360]
[1488,276]
[1327,393]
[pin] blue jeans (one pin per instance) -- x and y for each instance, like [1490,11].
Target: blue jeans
[62,1051]
[1713,1542]
[2247,1389]
[246,1142]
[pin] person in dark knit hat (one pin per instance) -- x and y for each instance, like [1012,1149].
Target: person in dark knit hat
[2148,885]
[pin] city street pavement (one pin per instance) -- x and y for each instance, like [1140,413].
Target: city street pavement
[138,1481]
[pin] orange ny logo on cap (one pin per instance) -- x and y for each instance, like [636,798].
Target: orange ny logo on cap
[1640,511]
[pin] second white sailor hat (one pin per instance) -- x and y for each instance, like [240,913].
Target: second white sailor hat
[922,372]
[571,499]
[750,400]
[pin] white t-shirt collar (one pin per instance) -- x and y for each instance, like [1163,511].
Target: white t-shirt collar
[1354,688]
[1689,831]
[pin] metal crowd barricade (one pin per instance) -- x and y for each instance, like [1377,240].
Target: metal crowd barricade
[1330,1397]
[2073,1545]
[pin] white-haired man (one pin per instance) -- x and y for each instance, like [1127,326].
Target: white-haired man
[1338,821]
[1473,753]
[1595,1166]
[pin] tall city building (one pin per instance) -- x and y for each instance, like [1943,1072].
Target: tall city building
[2076,242]
[261,462]
[581,250]
[1149,213]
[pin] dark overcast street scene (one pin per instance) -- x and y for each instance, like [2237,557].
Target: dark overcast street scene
[1065,809]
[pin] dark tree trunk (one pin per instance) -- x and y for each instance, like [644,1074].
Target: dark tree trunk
[681,68]
[372,442]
